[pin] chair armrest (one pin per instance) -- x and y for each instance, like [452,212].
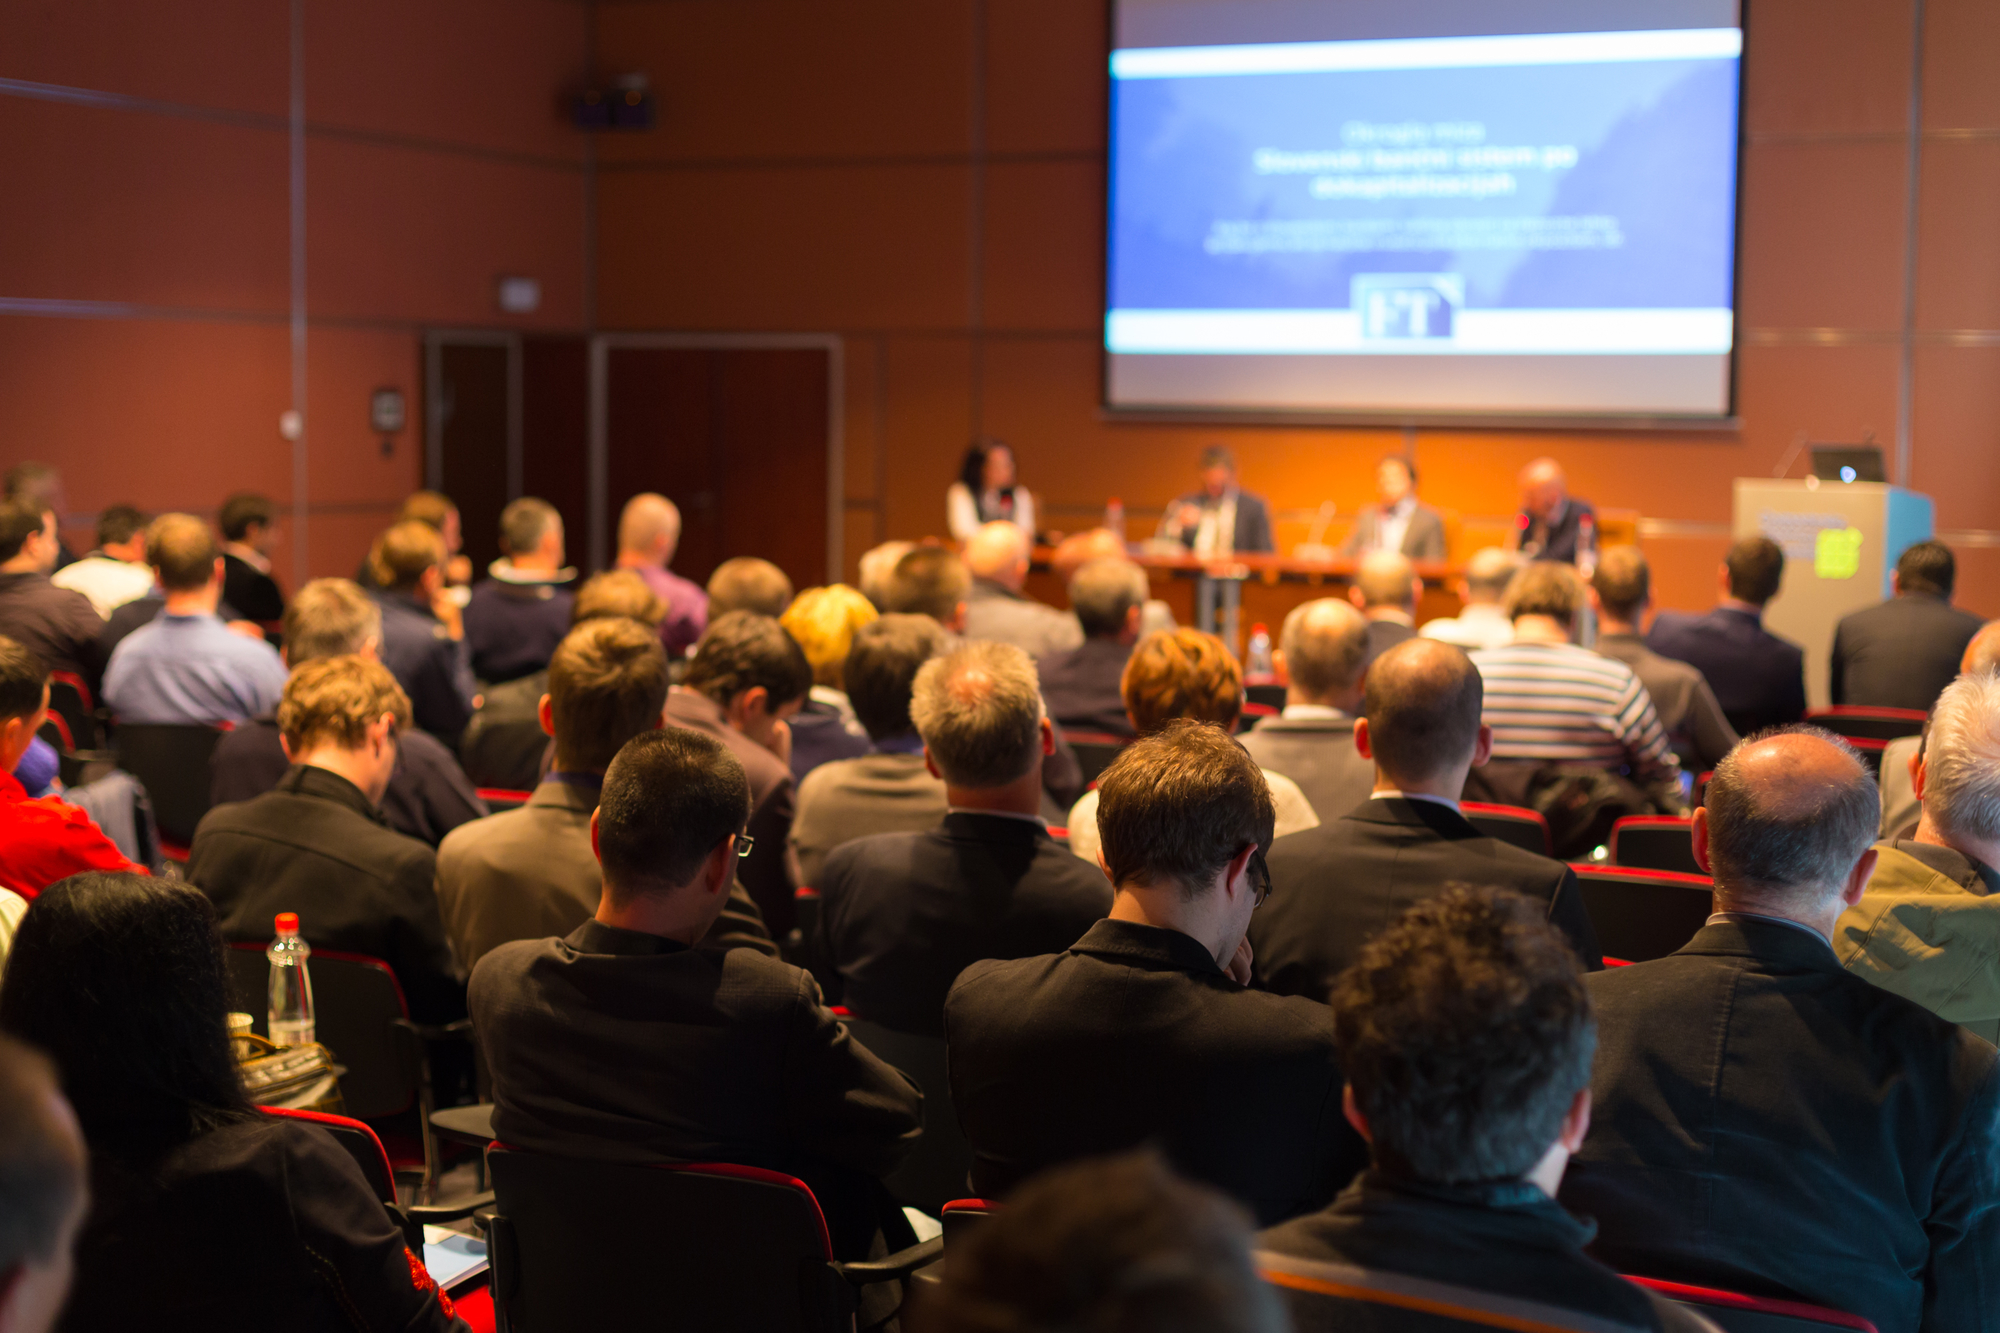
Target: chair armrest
[411,1219]
[895,1267]
[458,1030]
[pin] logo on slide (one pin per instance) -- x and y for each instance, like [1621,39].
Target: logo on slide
[1402,307]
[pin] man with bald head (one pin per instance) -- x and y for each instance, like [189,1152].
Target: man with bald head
[649,531]
[1323,653]
[1899,758]
[1334,887]
[1770,1123]
[996,610]
[1552,522]
[1385,591]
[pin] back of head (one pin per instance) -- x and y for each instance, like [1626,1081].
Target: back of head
[1962,760]
[1927,568]
[979,710]
[1386,579]
[1422,702]
[1176,805]
[1756,567]
[929,581]
[334,700]
[996,551]
[119,524]
[243,510]
[35,485]
[1108,1245]
[617,593]
[182,550]
[1790,811]
[824,621]
[23,676]
[670,795]
[1080,548]
[1623,581]
[330,618]
[1465,1033]
[1103,593]
[19,520]
[649,522]
[119,979]
[1983,653]
[607,683]
[748,584]
[1181,673]
[1544,588]
[523,523]
[880,674]
[1489,572]
[1325,642]
[430,507]
[404,553]
[743,650]
[42,1164]
[877,567]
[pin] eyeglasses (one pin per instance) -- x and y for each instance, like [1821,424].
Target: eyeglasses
[1263,879]
[744,845]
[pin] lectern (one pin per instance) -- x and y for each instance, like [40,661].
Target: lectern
[1841,541]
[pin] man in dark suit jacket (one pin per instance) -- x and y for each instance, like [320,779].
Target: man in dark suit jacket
[1758,678]
[1398,522]
[520,612]
[1221,517]
[248,522]
[58,625]
[1385,590]
[1767,1122]
[1144,1030]
[902,914]
[1903,653]
[423,632]
[1081,685]
[1553,524]
[626,1043]
[1621,588]
[1335,886]
[1323,653]
[316,844]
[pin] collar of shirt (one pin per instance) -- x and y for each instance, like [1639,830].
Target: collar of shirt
[249,555]
[997,814]
[907,743]
[1557,515]
[1414,796]
[1724,918]
[1484,611]
[1314,712]
[1403,508]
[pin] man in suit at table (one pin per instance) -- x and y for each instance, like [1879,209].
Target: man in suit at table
[1903,652]
[1553,525]
[1221,517]
[1768,1122]
[1323,653]
[1335,886]
[1397,522]
[1758,678]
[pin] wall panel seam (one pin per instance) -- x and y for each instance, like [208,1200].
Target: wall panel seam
[835,161]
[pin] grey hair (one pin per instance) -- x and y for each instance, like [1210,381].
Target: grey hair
[1489,572]
[979,710]
[1103,593]
[1326,646]
[1962,759]
[1797,855]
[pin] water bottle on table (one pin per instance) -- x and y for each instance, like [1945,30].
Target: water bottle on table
[291,993]
[1257,662]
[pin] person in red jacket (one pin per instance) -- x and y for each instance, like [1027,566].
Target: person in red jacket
[41,841]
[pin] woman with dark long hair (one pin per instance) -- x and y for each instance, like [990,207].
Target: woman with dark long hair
[205,1212]
[987,491]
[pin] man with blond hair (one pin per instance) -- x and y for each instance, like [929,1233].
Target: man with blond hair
[1385,591]
[996,609]
[747,583]
[823,622]
[1480,622]
[423,632]
[649,532]
[316,844]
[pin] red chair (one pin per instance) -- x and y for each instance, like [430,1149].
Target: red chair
[1340,1298]
[500,798]
[1870,751]
[1257,710]
[1519,825]
[1094,750]
[1264,691]
[1869,724]
[1643,914]
[1655,842]
[1738,1313]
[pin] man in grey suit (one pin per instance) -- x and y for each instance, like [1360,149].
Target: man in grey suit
[1620,589]
[1324,654]
[1398,522]
[997,610]
[1221,517]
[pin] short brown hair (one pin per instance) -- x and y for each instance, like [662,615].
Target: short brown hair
[1175,806]
[240,511]
[824,621]
[1623,581]
[617,592]
[23,677]
[329,618]
[880,673]
[182,549]
[1326,646]
[118,524]
[748,584]
[523,524]
[1756,568]
[403,554]
[426,507]
[1422,702]
[744,650]
[1545,588]
[979,710]
[1926,567]
[607,683]
[929,581]
[1181,673]
[19,520]
[336,699]
[669,797]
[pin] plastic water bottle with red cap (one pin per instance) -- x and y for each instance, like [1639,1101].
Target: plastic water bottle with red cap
[291,991]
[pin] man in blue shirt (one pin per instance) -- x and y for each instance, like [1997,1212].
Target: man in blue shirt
[187,666]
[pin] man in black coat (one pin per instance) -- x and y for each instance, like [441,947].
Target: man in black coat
[423,632]
[1902,653]
[902,914]
[1081,685]
[1767,1122]
[1553,524]
[1145,1030]
[1335,886]
[1758,678]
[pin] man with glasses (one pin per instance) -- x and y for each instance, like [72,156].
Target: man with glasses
[1144,1030]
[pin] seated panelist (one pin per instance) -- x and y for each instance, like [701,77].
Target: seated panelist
[1220,517]
[1397,522]
[986,492]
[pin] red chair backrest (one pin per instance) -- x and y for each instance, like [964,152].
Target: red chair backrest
[1094,750]
[1643,914]
[501,798]
[356,1001]
[1338,1297]
[1738,1313]
[1862,723]
[961,1217]
[1654,842]
[361,1142]
[1517,824]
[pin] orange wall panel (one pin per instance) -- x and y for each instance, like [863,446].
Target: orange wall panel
[1823,235]
[1044,246]
[1045,63]
[228,54]
[1826,65]
[1958,417]
[1958,239]
[1960,40]
[348,465]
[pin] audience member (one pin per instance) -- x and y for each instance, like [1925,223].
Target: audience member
[746,680]
[997,610]
[1481,622]
[12,908]
[55,624]
[1466,1034]
[316,844]
[1338,885]
[876,567]
[1108,599]
[748,584]
[1119,1244]
[1185,674]
[1620,589]
[423,632]
[428,795]
[40,488]
[249,524]
[1386,590]
[1758,678]
[1552,525]
[1324,654]
[1898,764]
[624,1042]
[204,1212]
[186,666]
[1131,1035]
[822,621]
[902,914]
[1078,549]
[649,532]
[43,1191]
[116,572]
[931,581]
[520,612]
[1397,522]
[436,510]
[890,789]
[1769,1123]
[41,840]
[1903,652]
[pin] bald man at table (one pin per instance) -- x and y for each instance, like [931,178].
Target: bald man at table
[1553,524]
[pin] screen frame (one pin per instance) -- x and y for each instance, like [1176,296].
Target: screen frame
[1727,421]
